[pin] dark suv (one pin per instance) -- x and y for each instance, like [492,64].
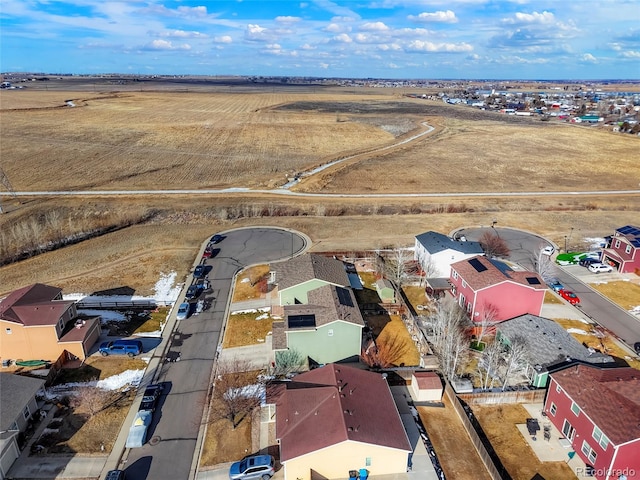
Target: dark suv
[150,398]
[585,262]
[115,475]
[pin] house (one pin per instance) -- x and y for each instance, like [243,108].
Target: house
[548,346]
[623,249]
[425,387]
[491,291]
[18,400]
[299,275]
[326,329]
[436,252]
[598,411]
[335,419]
[37,324]
[385,290]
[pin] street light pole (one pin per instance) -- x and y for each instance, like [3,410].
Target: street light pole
[565,244]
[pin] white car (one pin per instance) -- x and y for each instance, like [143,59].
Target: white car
[548,250]
[183,311]
[600,267]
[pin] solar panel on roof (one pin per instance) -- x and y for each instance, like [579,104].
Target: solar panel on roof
[533,280]
[300,321]
[343,297]
[625,229]
[477,264]
[635,243]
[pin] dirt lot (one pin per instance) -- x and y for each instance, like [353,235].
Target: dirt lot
[499,424]
[456,453]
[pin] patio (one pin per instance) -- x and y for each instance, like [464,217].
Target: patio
[548,443]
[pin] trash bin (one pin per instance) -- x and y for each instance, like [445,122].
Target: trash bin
[364,474]
[353,474]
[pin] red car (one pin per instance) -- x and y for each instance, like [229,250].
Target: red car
[569,296]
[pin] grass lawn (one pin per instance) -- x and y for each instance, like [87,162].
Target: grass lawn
[416,296]
[457,455]
[551,298]
[499,423]
[625,294]
[247,286]
[152,321]
[247,329]
[98,368]
[390,330]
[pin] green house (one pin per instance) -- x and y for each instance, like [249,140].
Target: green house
[547,345]
[298,276]
[327,329]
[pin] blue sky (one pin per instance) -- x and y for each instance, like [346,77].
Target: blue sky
[509,39]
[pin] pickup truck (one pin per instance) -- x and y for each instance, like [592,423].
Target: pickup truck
[555,285]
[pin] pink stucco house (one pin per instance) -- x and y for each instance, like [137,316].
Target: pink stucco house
[491,291]
[598,412]
[623,249]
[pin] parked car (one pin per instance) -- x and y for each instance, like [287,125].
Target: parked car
[253,468]
[150,398]
[600,267]
[199,271]
[216,238]
[183,311]
[555,285]
[121,347]
[586,261]
[548,250]
[192,292]
[569,296]
[115,475]
[138,431]
[636,347]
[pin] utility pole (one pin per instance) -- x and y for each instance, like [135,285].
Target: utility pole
[4,180]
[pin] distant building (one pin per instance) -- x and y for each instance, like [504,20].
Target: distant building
[623,249]
[436,252]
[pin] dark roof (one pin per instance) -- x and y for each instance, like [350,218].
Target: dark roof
[435,242]
[307,267]
[547,343]
[34,305]
[333,404]
[610,397]
[631,233]
[15,392]
[326,304]
[482,272]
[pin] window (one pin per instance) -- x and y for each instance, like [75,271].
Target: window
[589,452]
[558,389]
[617,243]
[600,437]
[469,307]
[367,462]
[454,274]
[568,430]
[464,284]
[575,408]
[627,249]
[461,300]
[330,332]
[7,331]
[553,409]
[26,413]
[61,323]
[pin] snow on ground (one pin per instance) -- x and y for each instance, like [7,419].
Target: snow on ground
[114,382]
[251,310]
[635,310]
[595,242]
[106,315]
[244,280]
[165,288]
[263,316]
[577,330]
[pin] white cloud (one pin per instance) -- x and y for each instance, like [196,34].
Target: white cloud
[337,28]
[165,45]
[287,19]
[324,66]
[420,46]
[439,16]
[630,54]
[306,46]
[256,33]
[374,27]
[587,57]
[182,34]
[529,18]
[342,38]
[223,39]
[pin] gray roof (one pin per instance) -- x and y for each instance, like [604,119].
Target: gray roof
[383,283]
[547,343]
[15,393]
[307,267]
[435,242]
[326,304]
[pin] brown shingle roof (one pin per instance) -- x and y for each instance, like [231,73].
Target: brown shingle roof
[328,306]
[34,305]
[610,397]
[307,267]
[428,380]
[334,404]
[494,272]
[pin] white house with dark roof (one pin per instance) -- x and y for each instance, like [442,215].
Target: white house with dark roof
[436,252]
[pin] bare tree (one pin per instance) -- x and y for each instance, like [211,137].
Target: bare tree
[428,266]
[288,361]
[487,320]
[385,352]
[493,245]
[490,363]
[396,265]
[450,341]
[516,354]
[91,399]
[545,267]
[237,392]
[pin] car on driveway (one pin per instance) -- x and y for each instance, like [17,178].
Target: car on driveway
[569,296]
[255,467]
[121,347]
[150,398]
[600,267]
[586,261]
[183,311]
[555,285]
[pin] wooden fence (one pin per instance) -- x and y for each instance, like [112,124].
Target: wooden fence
[87,302]
[496,398]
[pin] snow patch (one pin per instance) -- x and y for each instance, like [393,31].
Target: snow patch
[106,315]
[165,289]
[263,316]
[578,331]
[635,310]
[249,310]
[595,242]
[115,382]
[244,280]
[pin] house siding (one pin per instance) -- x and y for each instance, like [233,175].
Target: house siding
[441,260]
[334,462]
[299,292]
[583,430]
[322,347]
[616,252]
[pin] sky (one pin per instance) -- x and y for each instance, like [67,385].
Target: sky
[395,39]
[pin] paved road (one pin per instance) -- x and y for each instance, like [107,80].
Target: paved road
[523,246]
[174,432]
